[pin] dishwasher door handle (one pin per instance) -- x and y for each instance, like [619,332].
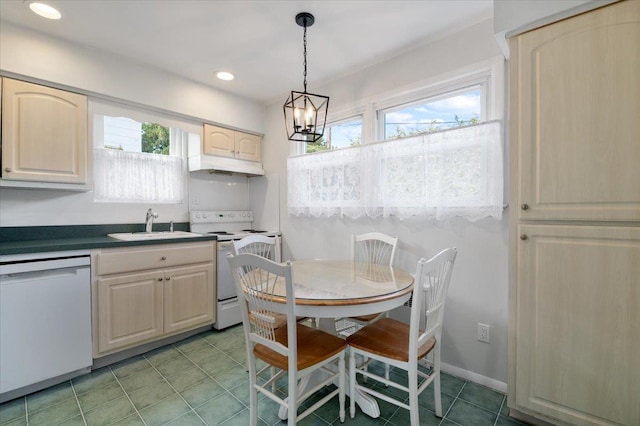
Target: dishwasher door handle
[39,275]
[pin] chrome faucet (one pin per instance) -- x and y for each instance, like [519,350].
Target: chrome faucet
[150,216]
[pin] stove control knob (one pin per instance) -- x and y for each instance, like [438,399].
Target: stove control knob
[197,216]
[231,215]
[204,216]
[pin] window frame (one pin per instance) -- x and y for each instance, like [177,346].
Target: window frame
[489,74]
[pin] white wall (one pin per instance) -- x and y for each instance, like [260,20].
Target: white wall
[30,55]
[478,290]
[27,53]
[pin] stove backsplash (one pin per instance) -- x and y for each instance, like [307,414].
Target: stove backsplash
[218,191]
[237,192]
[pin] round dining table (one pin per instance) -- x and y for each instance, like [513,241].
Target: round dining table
[330,289]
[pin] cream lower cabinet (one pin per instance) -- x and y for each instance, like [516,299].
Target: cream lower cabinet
[144,293]
[578,324]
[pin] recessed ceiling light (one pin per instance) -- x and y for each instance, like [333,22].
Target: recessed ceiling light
[224,75]
[45,10]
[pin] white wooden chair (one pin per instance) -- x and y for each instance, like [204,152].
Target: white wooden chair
[261,245]
[270,340]
[403,346]
[266,247]
[373,247]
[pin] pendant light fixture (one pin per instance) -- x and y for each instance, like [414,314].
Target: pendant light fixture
[305,114]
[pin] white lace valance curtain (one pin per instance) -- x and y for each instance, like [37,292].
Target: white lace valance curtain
[456,172]
[121,176]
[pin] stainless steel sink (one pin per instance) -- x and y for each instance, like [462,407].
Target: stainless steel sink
[145,236]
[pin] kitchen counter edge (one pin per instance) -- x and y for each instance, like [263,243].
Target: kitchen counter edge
[52,241]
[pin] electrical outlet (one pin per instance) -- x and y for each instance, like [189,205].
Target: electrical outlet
[483,332]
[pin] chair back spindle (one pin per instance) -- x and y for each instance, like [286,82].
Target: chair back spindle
[260,245]
[373,247]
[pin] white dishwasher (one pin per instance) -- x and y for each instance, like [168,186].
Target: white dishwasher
[45,318]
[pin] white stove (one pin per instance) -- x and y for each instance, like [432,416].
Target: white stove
[227,225]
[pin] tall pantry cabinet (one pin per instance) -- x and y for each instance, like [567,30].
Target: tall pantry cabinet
[575,223]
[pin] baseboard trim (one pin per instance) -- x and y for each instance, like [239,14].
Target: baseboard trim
[474,377]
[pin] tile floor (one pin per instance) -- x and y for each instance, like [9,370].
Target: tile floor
[202,380]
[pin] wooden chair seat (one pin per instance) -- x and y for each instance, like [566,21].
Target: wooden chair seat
[389,338]
[314,346]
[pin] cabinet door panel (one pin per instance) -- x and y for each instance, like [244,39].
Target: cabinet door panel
[189,297]
[219,141]
[578,323]
[576,116]
[247,147]
[44,134]
[130,310]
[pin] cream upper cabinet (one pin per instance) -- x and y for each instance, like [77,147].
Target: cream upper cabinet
[576,99]
[247,146]
[574,294]
[219,141]
[144,293]
[44,134]
[230,143]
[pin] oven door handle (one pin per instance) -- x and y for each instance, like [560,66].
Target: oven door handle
[225,245]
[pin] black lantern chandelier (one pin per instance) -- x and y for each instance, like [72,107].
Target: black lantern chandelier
[305,114]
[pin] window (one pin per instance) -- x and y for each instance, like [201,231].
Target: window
[138,156]
[446,111]
[340,134]
[125,134]
[449,162]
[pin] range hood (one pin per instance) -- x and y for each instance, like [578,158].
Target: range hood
[214,163]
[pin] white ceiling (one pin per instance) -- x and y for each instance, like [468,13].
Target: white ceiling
[258,41]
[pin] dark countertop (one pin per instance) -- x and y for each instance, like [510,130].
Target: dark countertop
[38,239]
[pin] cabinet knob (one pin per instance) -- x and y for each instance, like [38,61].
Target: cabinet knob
[168,278]
[524,237]
[525,207]
[160,279]
[7,169]
[164,258]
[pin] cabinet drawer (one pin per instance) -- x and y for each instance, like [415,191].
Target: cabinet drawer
[140,258]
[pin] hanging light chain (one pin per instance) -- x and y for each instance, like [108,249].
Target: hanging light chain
[304,39]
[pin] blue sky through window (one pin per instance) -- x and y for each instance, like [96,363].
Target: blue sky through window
[435,115]
[346,133]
